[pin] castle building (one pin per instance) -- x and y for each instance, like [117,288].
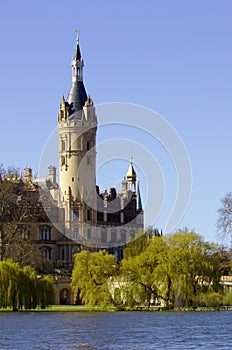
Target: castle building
[77,215]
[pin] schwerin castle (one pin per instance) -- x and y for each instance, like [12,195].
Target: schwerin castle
[74,214]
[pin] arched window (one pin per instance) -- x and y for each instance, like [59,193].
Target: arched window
[65,297]
[46,253]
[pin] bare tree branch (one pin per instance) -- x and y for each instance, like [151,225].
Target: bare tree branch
[224,222]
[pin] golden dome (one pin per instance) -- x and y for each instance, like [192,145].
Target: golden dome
[131,174]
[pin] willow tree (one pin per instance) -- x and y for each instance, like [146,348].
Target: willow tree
[90,277]
[176,267]
[22,288]
[140,271]
[195,266]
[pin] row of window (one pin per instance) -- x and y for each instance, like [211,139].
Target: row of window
[63,147]
[123,236]
[45,234]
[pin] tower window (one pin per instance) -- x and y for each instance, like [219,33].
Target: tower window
[88,145]
[76,232]
[62,145]
[75,214]
[88,214]
[104,236]
[114,236]
[72,179]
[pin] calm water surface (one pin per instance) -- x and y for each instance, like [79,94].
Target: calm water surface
[120,330]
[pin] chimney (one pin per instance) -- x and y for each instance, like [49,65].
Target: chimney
[27,175]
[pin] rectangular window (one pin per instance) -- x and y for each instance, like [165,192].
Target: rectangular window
[45,233]
[75,214]
[114,236]
[88,145]
[76,232]
[88,214]
[62,145]
[46,253]
[104,236]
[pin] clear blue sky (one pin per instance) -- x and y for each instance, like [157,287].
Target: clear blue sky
[171,56]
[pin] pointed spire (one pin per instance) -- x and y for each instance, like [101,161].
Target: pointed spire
[77,94]
[77,55]
[131,174]
[139,201]
[89,101]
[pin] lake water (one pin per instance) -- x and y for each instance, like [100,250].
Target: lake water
[116,330]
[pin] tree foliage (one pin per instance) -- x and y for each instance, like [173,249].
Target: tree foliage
[176,269]
[91,275]
[21,288]
[20,211]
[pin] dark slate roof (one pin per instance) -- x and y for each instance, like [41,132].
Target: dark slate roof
[139,201]
[77,55]
[76,97]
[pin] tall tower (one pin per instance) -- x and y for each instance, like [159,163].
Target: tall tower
[77,125]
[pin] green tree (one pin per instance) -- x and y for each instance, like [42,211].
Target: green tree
[20,210]
[135,246]
[21,288]
[90,277]
[195,265]
[175,267]
[139,271]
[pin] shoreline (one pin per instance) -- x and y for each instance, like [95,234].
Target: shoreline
[84,308]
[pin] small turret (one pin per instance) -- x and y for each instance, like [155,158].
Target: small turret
[52,174]
[89,110]
[131,176]
[63,110]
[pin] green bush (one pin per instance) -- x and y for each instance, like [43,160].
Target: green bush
[227,299]
[213,299]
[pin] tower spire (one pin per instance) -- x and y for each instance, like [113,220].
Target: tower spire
[77,94]
[77,54]
[131,175]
